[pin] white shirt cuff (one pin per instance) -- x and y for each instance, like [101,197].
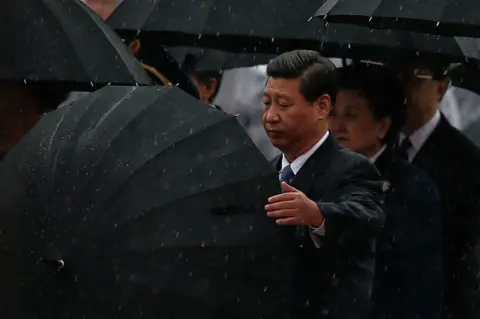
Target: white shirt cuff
[320,230]
[315,233]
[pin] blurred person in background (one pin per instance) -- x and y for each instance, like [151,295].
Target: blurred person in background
[367,118]
[162,66]
[431,143]
[207,81]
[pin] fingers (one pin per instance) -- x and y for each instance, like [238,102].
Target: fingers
[290,221]
[282,197]
[288,188]
[281,205]
[283,213]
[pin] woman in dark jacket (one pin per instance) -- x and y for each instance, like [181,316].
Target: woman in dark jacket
[367,118]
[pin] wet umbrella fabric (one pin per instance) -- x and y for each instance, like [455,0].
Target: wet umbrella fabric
[261,26]
[126,187]
[443,17]
[62,41]
[360,43]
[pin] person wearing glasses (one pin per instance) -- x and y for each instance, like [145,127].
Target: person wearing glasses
[431,143]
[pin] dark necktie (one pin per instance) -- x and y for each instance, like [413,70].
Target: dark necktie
[404,148]
[287,175]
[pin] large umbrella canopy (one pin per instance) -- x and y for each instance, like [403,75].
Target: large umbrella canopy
[62,41]
[267,26]
[356,42]
[443,17]
[131,203]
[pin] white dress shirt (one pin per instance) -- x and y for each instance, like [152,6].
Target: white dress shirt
[420,136]
[296,165]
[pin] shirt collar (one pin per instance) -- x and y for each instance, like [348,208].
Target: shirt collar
[377,155]
[297,164]
[419,137]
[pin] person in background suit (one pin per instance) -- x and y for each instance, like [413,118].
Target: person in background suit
[331,196]
[367,118]
[431,143]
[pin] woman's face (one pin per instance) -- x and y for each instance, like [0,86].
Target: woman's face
[353,123]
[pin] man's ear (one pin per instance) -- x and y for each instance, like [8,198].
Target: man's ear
[442,87]
[323,105]
[134,47]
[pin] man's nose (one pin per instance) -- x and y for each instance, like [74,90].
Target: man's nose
[271,114]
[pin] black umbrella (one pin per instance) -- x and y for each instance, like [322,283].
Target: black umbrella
[444,17]
[131,203]
[356,42]
[266,26]
[62,41]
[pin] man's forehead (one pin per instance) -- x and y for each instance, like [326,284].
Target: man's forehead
[281,86]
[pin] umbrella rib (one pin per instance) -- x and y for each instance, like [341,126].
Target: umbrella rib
[151,210]
[118,194]
[227,119]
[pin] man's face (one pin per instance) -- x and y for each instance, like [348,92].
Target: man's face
[18,114]
[288,118]
[353,123]
[422,91]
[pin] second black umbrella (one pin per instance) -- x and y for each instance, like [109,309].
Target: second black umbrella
[259,26]
[443,17]
[62,41]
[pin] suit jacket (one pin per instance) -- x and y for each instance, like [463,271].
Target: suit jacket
[453,162]
[335,280]
[408,271]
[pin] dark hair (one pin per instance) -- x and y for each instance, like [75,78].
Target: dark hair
[383,91]
[317,74]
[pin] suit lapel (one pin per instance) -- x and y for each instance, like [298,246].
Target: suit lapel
[315,166]
[434,145]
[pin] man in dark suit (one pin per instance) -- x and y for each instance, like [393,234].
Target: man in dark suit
[453,161]
[330,195]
